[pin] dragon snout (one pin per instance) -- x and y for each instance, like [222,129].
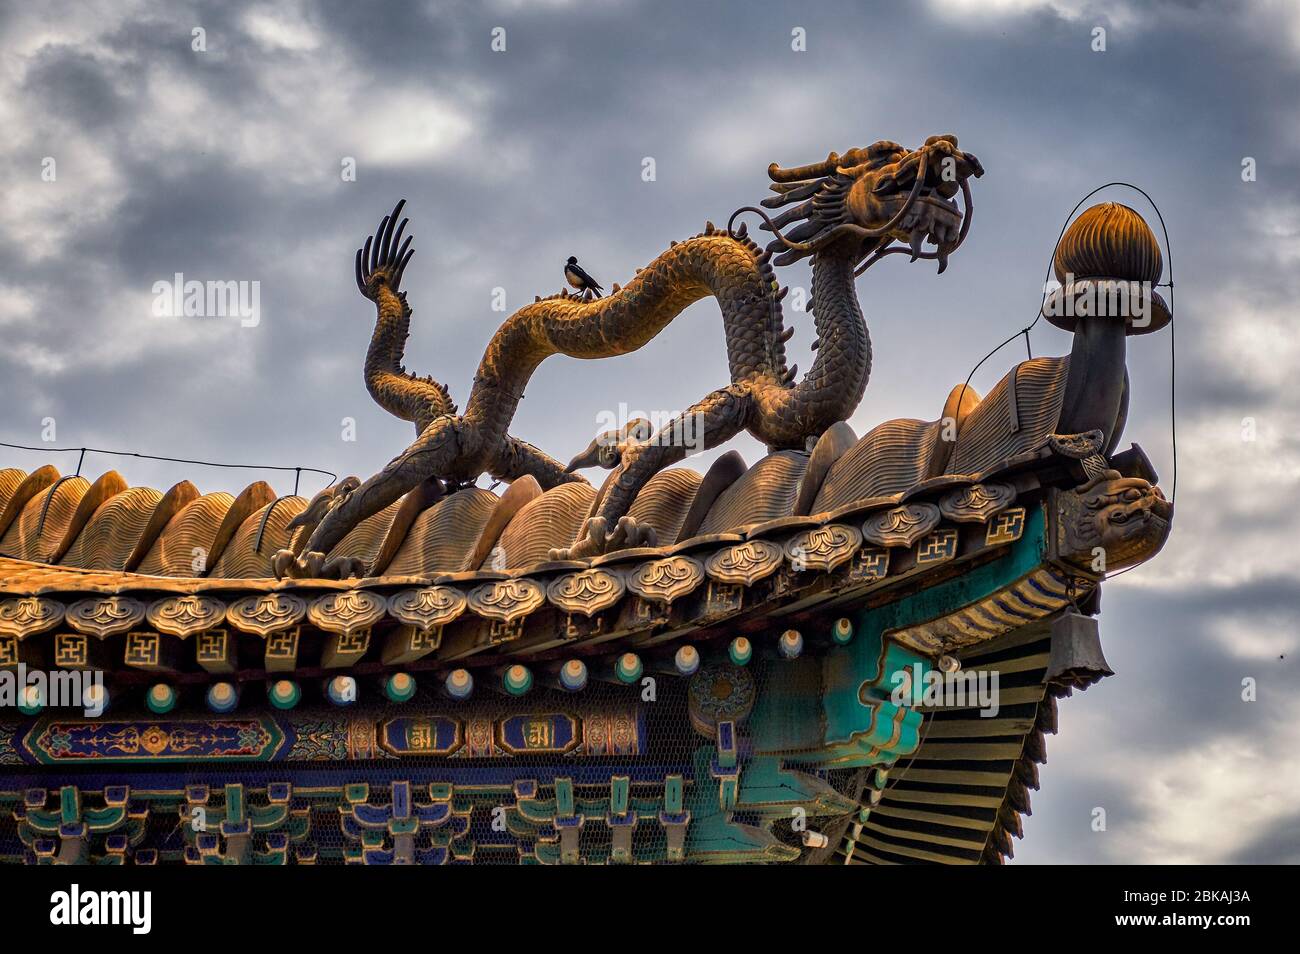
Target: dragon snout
[606,450]
[589,457]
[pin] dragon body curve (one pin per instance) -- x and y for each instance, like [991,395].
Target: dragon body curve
[457,448]
[843,226]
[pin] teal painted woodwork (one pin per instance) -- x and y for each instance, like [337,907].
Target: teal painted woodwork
[863,726]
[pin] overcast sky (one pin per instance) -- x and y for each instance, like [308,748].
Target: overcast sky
[225,164]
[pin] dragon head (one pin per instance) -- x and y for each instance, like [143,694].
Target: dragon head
[871,198]
[1128,517]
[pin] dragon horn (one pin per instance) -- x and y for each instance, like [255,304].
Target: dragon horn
[814,171]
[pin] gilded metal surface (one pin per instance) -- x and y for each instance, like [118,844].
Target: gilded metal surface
[185,546]
[850,209]
[662,581]
[901,526]
[1079,446]
[891,457]
[346,612]
[443,536]
[183,616]
[1007,527]
[255,543]
[822,548]
[664,502]
[976,503]
[744,563]
[29,615]
[1108,240]
[44,519]
[11,478]
[547,522]
[830,447]
[506,600]
[587,592]
[765,491]
[31,485]
[364,540]
[105,616]
[428,606]
[265,613]
[1017,415]
[111,534]
[106,487]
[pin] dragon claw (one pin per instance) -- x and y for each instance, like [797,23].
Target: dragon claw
[384,257]
[313,565]
[596,539]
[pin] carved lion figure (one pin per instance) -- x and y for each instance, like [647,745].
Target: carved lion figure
[1127,517]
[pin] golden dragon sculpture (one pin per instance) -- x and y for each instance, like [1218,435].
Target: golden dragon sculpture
[851,210]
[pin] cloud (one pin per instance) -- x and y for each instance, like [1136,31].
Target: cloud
[283,29]
[986,11]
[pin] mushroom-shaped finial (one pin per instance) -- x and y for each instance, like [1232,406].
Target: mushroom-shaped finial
[1108,261]
[1109,240]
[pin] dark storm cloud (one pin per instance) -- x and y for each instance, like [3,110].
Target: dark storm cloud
[1279,844]
[225,165]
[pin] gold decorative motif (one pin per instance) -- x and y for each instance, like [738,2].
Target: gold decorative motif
[428,606]
[8,651]
[345,649]
[183,616]
[71,651]
[506,600]
[505,631]
[662,581]
[29,615]
[822,548]
[723,598]
[105,616]
[347,611]
[143,650]
[1007,528]
[283,644]
[266,613]
[353,644]
[1034,597]
[901,526]
[212,650]
[869,564]
[587,592]
[937,547]
[744,563]
[976,503]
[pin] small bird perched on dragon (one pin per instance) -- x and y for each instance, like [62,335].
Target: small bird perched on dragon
[579,279]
